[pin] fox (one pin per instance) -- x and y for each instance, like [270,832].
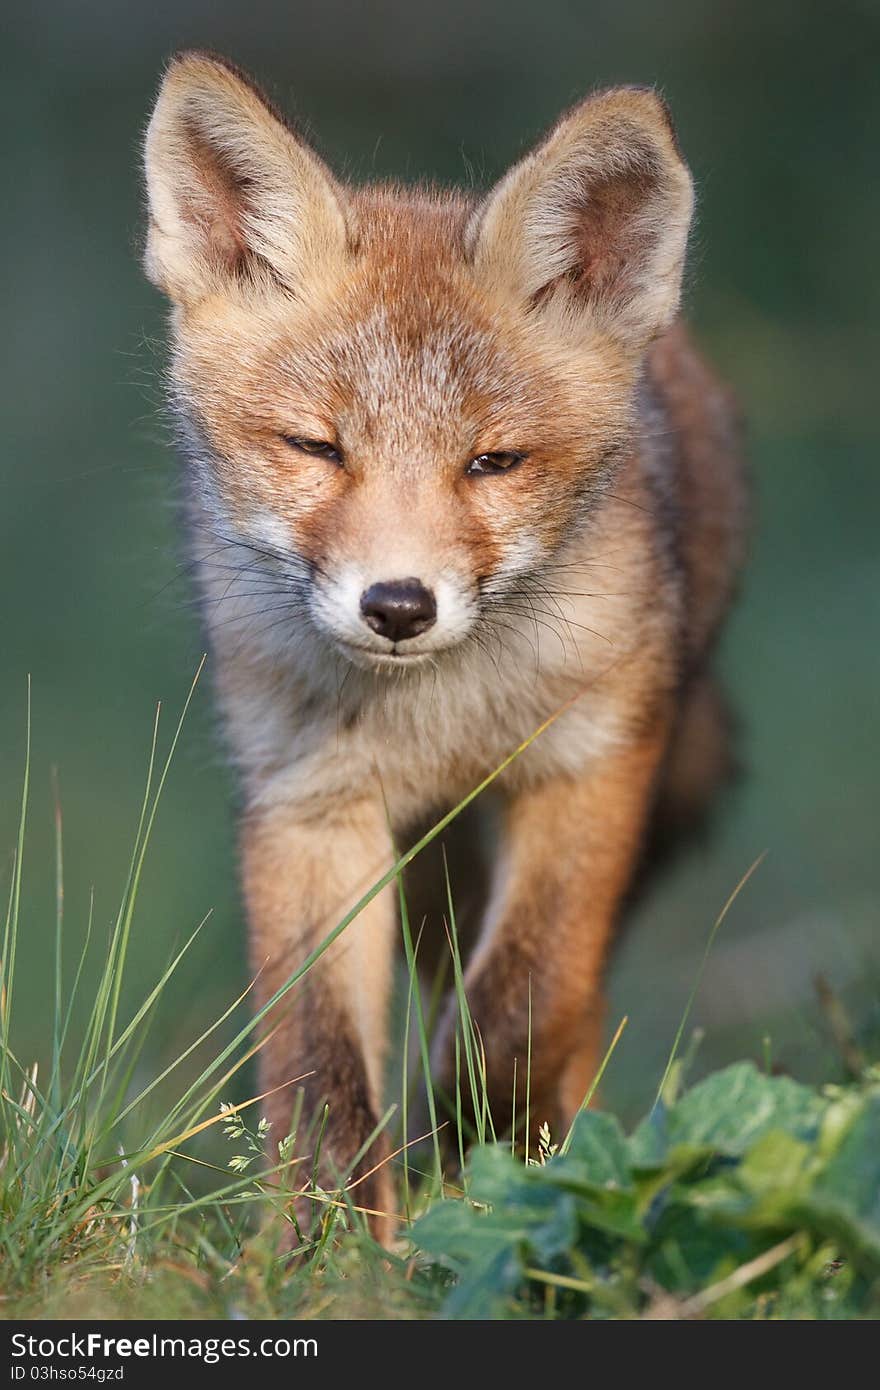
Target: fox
[453,472]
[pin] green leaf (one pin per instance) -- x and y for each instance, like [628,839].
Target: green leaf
[596,1170]
[766,1190]
[597,1157]
[725,1115]
[776,1171]
[845,1197]
[513,1219]
[648,1145]
[689,1250]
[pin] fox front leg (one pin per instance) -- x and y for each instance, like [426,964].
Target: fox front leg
[301,877]
[534,984]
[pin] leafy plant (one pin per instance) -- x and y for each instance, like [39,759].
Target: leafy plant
[732,1199]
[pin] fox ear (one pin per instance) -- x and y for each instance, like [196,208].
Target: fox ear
[593,224]
[232,192]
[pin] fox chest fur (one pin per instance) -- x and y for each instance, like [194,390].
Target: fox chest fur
[454,474]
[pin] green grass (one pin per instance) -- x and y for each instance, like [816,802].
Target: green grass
[132,1192]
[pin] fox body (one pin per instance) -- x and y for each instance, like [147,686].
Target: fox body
[453,467]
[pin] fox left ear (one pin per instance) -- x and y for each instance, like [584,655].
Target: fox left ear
[593,224]
[234,195]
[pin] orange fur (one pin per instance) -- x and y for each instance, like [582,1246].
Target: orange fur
[495,403]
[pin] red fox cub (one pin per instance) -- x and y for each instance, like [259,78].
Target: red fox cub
[452,462]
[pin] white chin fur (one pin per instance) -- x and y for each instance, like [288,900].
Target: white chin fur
[370,660]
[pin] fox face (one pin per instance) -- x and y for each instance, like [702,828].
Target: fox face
[402,404]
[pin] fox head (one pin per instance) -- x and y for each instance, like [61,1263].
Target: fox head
[402,403]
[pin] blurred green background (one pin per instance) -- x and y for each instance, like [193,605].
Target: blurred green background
[777,109]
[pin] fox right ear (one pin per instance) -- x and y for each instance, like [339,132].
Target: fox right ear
[591,227]
[233,194]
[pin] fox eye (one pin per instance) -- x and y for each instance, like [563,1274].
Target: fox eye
[500,462]
[317,448]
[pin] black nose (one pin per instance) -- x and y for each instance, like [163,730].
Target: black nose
[398,609]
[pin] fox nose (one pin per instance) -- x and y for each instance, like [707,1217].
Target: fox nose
[398,608]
